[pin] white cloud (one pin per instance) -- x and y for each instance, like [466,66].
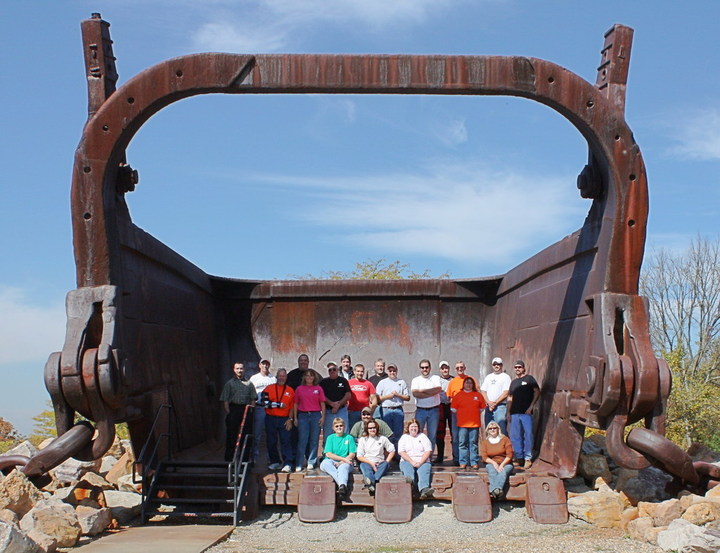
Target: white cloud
[270,25]
[28,333]
[453,133]
[698,135]
[462,212]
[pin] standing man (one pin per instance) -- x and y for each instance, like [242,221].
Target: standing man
[236,395]
[261,380]
[445,415]
[361,389]
[278,423]
[337,395]
[380,373]
[426,390]
[295,376]
[495,389]
[392,394]
[523,395]
[346,369]
[455,385]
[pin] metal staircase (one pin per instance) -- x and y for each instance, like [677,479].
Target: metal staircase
[192,488]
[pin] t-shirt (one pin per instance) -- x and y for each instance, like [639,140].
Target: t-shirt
[261,382]
[309,398]
[414,447]
[421,383]
[456,384]
[468,406]
[374,448]
[361,391]
[444,382]
[335,388]
[280,394]
[340,445]
[295,377]
[383,428]
[495,384]
[387,386]
[522,391]
[376,378]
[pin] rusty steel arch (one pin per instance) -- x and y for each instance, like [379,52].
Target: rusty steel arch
[147,328]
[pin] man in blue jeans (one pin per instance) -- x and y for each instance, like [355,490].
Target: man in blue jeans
[523,395]
[426,389]
[495,389]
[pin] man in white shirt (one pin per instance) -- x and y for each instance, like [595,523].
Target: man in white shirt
[495,389]
[261,380]
[393,393]
[426,390]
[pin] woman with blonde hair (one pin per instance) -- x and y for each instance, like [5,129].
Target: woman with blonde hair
[497,453]
[415,449]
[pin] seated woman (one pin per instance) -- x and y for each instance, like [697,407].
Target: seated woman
[339,456]
[496,451]
[467,404]
[374,452]
[415,449]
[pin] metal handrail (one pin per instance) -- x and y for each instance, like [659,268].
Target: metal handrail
[238,468]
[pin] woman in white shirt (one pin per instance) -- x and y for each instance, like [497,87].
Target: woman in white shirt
[374,452]
[415,449]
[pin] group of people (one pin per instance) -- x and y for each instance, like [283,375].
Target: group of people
[363,419]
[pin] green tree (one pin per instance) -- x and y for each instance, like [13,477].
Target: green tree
[375,269]
[45,426]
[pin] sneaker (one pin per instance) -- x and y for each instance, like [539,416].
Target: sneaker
[496,493]
[367,482]
[475,467]
[310,466]
[528,464]
[371,489]
[342,491]
[517,462]
[426,493]
[410,480]
[286,468]
[274,466]
[298,469]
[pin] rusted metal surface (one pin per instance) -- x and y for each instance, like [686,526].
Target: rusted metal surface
[147,327]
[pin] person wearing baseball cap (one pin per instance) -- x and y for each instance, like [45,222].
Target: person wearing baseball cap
[495,389]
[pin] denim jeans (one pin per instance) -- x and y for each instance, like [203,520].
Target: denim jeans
[498,415]
[521,435]
[455,441]
[430,417]
[498,479]
[423,473]
[274,431]
[308,437]
[329,416]
[394,419]
[468,446]
[353,417]
[339,471]
[376,475]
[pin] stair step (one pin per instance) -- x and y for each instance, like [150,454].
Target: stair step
[193,487]
[188,501]
[177,512]
[195,464]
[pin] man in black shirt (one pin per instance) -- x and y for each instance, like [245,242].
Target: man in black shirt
[337,394]
[522,397]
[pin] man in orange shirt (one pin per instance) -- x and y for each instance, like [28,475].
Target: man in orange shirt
[278,423]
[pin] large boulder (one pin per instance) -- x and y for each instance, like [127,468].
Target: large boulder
[23,448]
[12,540]
[639,528]
[702,513]
[600,508]
[661,513]
[125,506]
[594,466]
[55,519]
[93,521]
[72,470]
[684,537]
[48,544]
[649,485]
[82,493]
[122,467]
[18,494]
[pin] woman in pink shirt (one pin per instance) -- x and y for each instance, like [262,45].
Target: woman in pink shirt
[309,416]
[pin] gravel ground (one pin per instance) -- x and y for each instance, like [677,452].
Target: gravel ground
[433,529]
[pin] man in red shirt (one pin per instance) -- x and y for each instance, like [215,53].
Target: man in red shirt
[278,423]
[363,394]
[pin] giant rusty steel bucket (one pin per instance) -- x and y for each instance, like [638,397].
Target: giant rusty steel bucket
[147,327]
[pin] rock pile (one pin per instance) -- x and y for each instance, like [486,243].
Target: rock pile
[82,499]
[639,502]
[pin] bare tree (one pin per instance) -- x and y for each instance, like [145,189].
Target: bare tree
[684,297]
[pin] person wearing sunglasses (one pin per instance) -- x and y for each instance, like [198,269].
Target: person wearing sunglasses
[495,389]
[497,453]
[339,456]
[374,453]
[337,394]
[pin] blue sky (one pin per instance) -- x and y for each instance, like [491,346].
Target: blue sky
[272,186]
